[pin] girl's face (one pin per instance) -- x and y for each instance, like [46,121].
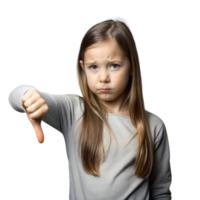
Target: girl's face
[106,66]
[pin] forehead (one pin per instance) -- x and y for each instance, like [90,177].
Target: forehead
[104,50]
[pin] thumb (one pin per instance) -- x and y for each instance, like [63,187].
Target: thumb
[38,130]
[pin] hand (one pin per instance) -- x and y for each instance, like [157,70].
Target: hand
[36,108]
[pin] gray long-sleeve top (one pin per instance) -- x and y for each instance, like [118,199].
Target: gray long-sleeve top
[117,180]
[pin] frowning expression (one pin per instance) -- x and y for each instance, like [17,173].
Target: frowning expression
[106,66]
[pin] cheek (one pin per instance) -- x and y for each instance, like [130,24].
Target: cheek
[120,81]
[91,82]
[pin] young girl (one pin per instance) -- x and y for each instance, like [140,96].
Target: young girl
[110,115]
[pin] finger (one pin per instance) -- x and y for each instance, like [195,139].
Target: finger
[38,130]
[35,105]
[31,100]
[36,123]
[39,113]
[27,95]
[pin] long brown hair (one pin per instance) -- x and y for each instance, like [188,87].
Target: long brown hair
[93,117]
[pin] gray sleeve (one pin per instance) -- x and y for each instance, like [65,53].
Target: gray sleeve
[15,97]
[160,177]
[61,107]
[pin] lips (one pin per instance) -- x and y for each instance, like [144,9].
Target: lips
[105,89]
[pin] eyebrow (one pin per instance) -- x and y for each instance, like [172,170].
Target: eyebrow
[111,61]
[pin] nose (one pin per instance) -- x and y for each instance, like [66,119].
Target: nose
[104,76]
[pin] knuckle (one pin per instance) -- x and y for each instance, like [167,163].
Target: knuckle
[26,103]
[38,95]
[28,109]
[47,107]
[43,101]
[32,116]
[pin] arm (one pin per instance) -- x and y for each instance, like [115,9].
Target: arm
[51,117]
[160,177]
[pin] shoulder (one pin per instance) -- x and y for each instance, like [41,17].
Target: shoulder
[75,100]
[154,120]
[156,123]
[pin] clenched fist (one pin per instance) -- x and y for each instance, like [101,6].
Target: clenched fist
[36,108]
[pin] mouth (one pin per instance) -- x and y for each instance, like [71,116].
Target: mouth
[105,89]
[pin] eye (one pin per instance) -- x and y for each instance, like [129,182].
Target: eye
[115,65]
[92,66]
[111,65]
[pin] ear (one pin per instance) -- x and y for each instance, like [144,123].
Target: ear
[81,63]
